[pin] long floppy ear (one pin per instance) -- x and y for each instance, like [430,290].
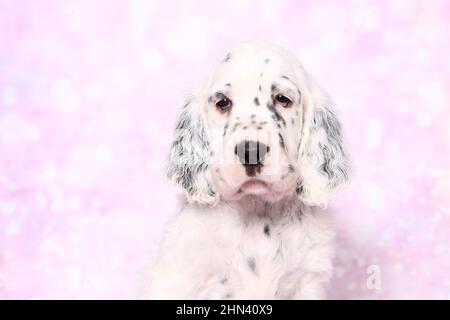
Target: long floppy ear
[190,156]
[322,159]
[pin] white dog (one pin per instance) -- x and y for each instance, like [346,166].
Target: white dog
[258,150]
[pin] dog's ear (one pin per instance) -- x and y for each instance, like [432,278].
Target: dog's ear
[323,162]
[190,156]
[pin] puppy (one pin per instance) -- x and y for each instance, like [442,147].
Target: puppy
[258,150]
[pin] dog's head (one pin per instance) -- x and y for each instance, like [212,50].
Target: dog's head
[260,126]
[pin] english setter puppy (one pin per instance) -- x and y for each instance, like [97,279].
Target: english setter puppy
[258,151]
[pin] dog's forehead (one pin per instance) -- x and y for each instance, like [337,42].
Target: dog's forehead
[246,66]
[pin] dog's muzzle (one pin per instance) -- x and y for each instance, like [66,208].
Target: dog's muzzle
[251,155]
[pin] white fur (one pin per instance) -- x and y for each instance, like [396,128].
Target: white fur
[269,241]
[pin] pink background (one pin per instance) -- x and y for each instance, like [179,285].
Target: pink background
[88,95]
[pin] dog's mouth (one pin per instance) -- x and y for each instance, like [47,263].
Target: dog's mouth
[254,187]
[233,185]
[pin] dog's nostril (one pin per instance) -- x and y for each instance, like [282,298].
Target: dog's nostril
[251,152]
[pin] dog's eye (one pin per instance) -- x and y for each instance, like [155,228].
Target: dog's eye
[283,101]
[224,104]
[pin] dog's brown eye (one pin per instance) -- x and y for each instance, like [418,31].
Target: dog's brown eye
[283,101]
[224,104]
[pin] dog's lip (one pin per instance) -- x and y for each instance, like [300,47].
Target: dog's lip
[254,186]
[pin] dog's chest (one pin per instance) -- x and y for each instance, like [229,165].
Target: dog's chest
[256,254]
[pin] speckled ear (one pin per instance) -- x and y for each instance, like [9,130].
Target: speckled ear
[323,162]
[190,156]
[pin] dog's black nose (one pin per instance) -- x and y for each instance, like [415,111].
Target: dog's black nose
[251,154]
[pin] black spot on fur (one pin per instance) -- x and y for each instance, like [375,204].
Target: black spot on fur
[267,230]
[256,101]
[227,84]
[259,127]
[251,261]
[259,88]
[282,145]
[227,57]
[276,115]
[291,168]
[278,254]
[211,192]
[267,61]
[252,116]
[220,95]
[273,87]
[299,214]
[225,129]
[236,125]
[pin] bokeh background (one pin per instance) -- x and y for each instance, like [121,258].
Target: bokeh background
[89,91]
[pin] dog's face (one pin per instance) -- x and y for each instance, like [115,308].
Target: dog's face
[254,117]
[259,127]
